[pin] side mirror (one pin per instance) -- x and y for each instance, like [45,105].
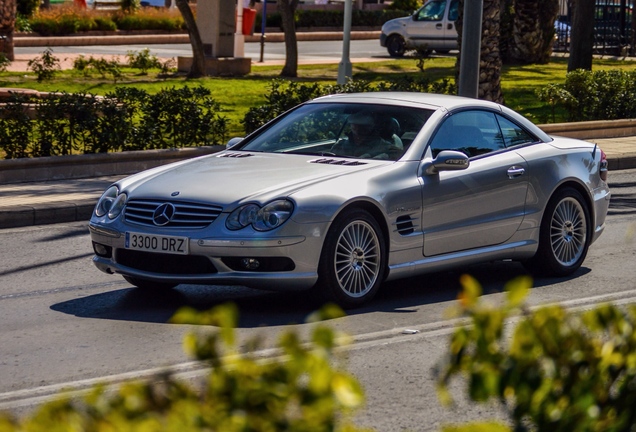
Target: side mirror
[446,160]
[234,141]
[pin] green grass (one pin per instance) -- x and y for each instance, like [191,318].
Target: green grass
[237,95]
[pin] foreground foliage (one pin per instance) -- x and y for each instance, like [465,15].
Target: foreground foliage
[557,371]
[302,390]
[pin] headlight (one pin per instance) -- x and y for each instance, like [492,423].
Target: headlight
[264,218]
[117,206]
[111,203]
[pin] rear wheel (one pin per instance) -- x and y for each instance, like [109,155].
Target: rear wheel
[353,260]
[395,46]
[149,285]
[565,235]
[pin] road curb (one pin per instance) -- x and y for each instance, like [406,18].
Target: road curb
[176,38]
[46,213]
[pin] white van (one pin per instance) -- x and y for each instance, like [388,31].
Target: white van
[431,27]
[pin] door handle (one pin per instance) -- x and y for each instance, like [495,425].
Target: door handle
[516,171]
[438,26]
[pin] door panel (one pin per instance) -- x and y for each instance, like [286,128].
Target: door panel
[428,30]
[480,206]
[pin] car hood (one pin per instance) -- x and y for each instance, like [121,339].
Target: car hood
[396,23]
[235,177]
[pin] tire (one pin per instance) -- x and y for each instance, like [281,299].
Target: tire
[564,237]
[395,46]
[149,285]
[353,260]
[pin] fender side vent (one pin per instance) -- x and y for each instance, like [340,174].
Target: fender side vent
[404,225]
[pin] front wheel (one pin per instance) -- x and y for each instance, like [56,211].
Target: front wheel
[149,285]
[353,260]
[395,46]
[564,237]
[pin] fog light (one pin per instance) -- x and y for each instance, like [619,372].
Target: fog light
[102,250]
[250,263]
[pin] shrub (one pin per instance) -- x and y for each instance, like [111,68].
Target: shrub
[44,66]
[555,371]
[69,19]
[175,116]
[127,119]
[62,20]
[4,62]
[150,19]
[22,24]
[284,95]
[27,7]
[322,18]
[302,390]
[597,95]
[15,128]
[100,65]
[143,60]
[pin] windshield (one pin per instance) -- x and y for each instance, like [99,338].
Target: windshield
[362,131]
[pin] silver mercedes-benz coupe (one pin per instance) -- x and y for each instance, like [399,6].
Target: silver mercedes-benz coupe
[345,192]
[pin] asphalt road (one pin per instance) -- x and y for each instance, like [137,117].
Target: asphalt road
[64,324]
[314,50]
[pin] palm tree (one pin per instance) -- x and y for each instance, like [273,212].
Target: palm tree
[7,25]
[532,30]
[490,58]
[582,38]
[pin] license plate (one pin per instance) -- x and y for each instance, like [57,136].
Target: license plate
[157,243]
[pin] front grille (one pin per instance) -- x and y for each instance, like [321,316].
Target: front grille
[186,215]
[165,263]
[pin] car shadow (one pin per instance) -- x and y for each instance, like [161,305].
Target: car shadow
[265,309]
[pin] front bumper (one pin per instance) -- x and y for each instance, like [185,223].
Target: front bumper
[287,261]
[383,38]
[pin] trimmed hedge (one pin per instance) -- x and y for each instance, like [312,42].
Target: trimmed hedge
[128,119]
[594,95]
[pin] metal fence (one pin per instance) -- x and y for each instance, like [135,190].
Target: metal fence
[612,27]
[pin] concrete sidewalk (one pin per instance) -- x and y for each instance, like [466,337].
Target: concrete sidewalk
[57,201]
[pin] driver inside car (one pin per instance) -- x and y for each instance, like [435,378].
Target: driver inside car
[364,140]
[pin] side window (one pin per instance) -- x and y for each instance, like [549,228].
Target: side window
[432,11]
[471,132]
[453,12]
[513,134]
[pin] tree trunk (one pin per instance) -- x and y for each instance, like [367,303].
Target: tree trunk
[533,31]
[287,10]
[490,57]
[582,37]
[7,26]
[198,57]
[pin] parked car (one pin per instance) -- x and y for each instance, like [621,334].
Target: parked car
[303,203]
[431,27]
